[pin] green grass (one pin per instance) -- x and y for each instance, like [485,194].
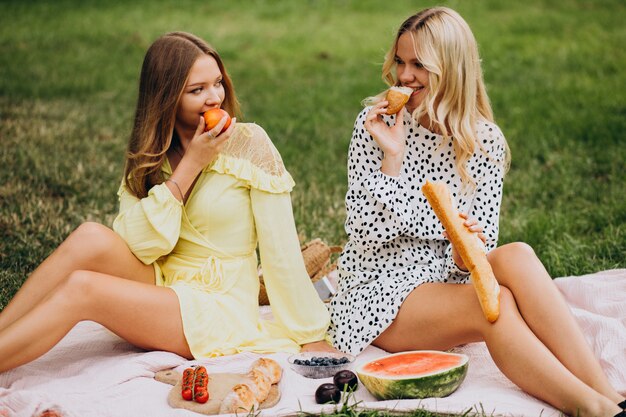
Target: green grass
[554,71]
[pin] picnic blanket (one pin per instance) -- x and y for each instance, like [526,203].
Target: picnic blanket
[92,372]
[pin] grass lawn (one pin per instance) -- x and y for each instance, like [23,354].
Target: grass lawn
[554,72]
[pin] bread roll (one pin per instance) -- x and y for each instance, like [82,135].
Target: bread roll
[269,367]
[240,400]
[254,389]
[468,246]
[261,384]
[397,97]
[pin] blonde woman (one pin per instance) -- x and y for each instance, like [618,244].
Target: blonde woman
[402,286]
[179,270]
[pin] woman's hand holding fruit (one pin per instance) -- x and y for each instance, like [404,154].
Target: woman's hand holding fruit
[206,145]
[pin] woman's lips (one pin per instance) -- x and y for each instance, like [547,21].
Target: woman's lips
[416,90]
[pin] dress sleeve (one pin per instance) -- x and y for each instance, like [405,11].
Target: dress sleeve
[488,172]
[295,304]
[487,200]
[151,225]
[377,205]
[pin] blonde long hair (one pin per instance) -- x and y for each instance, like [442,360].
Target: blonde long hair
[164,73]
[456,98]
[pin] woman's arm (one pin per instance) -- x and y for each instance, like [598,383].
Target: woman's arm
[377,204]
[151,225]
[295,304]
[485,207]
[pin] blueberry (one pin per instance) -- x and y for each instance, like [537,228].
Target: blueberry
[327,393]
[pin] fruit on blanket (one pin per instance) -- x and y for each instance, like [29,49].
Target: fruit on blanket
[200,385]
[213,116]
[327,393]
[187,384]
[414,374]
[346,380]
[49,413]
[194,385]
[187,394]
[201,396]
[321,361]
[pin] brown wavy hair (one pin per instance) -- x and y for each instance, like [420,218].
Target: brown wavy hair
[164,74]
[456,98]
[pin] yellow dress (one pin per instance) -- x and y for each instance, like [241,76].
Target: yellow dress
[205,250]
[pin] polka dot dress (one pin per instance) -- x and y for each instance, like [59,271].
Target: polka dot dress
[395,240]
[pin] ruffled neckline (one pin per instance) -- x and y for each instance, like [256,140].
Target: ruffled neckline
[257,178]
[244,169]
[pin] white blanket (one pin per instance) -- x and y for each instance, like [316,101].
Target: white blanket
[92,372]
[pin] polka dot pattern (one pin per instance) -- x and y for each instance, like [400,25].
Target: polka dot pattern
[395,240]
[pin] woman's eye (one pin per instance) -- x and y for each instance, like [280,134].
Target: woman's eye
[196,90]
[419,65]
[219,83]
[398,61]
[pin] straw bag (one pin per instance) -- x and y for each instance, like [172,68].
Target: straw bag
[317,260]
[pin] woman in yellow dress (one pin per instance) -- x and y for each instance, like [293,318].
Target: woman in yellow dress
[179,270]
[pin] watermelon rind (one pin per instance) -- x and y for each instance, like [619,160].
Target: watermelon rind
[438,384]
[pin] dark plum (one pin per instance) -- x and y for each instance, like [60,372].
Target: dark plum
[327,393]
[346,378]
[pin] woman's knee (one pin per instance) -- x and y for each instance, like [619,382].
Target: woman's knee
[75,291]
[514,250]
[511,255]
[91,240]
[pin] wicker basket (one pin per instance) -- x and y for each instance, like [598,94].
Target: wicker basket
[317,260]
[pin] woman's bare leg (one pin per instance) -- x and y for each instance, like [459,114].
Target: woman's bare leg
[91,247]
[545,311]
[145,315]
[519,354]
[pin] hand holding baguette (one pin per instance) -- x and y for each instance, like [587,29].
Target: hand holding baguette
[468,247]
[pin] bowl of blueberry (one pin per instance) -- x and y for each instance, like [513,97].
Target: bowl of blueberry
[320,364]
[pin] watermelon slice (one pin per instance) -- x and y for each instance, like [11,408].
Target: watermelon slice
[415,374]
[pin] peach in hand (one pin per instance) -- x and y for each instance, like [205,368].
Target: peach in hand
[213,116]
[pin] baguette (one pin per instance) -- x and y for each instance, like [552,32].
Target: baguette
[468,246]
[397,98]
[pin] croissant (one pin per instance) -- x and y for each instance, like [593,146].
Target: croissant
[397,97]
[469,248]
